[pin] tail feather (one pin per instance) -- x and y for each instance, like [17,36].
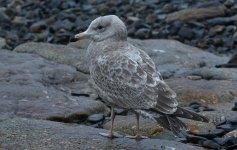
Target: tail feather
[183,113]
[173,124]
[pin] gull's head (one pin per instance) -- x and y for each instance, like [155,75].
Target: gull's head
[103,28]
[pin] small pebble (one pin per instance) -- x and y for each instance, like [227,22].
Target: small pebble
[95,118]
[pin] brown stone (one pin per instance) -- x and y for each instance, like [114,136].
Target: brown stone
[207,92]
[196,13]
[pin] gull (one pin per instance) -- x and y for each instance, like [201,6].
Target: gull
[126,77]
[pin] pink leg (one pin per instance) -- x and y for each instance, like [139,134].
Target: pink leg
[138,136]
[111,134]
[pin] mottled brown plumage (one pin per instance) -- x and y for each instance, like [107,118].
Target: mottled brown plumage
[126,77]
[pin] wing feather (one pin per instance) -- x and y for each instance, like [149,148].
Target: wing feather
[128,78]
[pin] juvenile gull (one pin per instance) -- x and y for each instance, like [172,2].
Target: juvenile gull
[126,77]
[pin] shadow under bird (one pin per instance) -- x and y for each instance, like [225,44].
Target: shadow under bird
[126,77]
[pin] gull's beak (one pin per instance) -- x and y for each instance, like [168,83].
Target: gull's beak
[83,35]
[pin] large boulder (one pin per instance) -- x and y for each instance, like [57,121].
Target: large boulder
[20,133]
[31,86]
[171,57]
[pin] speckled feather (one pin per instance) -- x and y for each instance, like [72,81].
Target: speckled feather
[127,77]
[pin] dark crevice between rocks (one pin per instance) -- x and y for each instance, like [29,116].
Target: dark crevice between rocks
[74,118]
[80,94]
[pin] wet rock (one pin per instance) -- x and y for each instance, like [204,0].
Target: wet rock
[186,33]
[221,21]
[38,26]
[232,63]
[66,24]
[233,121]
[228,127]
[235,107]
[143,33]
[220,141]
[18,20]
[175,27]
[196,13]
[96,118]
[37,88]
[211,133]
[58,53]
[210,144]
[3,16]
[231,134]
[195,139]
[2,42]
[20,133]
[216,29]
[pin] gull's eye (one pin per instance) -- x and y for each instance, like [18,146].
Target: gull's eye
[100,27]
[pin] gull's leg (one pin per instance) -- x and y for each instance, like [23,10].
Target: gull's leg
[111,134]
[138,136]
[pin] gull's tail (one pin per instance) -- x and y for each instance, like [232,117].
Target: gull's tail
[171,122]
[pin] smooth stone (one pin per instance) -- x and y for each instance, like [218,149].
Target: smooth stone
[210,144]
[231,134]
[195,139]
[220,141]
[33,87]
[196,13]
[211,133]
[58,53]
[168,55]
[38,26]
[205,92]
[211,73]
[2,42]
[3,15]
[233,121]
[21,133]
[142,33]
[96,118]
[227,127]
[186,33]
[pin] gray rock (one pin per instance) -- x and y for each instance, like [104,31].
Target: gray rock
[2,42]
[214,73]
[96,118]
[196,13]
[38,26]
[221,21]
[127,125]
[171,57]
[3,16]
[178,57]
[58,53]
[186,33]
[31,86]
[19,133]
[207,92]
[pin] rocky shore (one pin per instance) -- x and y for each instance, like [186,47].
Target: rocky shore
[46,99]
[210,25]
[45,89]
